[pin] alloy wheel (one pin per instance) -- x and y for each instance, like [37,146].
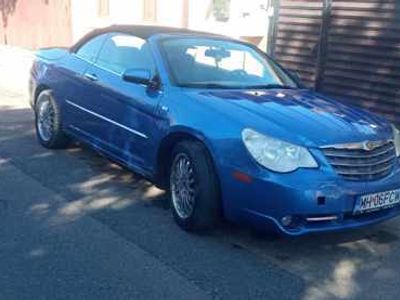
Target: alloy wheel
[45,119]
[183,186]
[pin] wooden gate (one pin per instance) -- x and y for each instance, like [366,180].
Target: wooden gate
[348,49]
[297,37]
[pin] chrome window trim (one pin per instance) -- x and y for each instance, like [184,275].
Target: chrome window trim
[108,70]
[81,58]
[142,135]
[97,66]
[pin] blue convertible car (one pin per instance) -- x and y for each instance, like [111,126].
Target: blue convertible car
[222,126]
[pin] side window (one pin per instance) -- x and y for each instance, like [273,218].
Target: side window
[90,49]
[122,52]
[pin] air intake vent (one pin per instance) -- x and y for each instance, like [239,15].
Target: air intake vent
[359,164]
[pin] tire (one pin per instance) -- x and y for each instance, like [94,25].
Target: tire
[201,188]
[48,122]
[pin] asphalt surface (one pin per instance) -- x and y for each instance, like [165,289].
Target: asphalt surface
[75,226]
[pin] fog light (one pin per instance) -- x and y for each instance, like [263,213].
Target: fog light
[287,221]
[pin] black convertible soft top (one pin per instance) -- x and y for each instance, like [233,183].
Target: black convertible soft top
[142,31]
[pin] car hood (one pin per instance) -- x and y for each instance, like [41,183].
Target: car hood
[301,116]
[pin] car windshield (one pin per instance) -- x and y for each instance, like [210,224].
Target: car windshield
[217,63]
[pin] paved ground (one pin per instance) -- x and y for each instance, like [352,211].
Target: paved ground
[75,226]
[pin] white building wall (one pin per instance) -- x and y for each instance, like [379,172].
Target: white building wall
[85,15]
[170,12]
[126,11]
[247,19]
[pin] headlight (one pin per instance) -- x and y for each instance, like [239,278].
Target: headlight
[277,155]
[396,133]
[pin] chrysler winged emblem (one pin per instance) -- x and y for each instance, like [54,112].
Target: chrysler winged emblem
[370,145]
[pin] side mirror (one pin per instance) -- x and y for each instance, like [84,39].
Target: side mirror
[139,76]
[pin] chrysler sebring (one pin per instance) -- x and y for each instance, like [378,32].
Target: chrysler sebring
[221,126]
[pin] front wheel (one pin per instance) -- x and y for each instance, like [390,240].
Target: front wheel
[48,122]
[194,187]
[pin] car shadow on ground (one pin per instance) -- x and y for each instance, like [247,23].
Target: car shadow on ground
[330,264]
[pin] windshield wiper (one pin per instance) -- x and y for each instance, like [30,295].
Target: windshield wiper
[207,85]
[270,86]
[212,85]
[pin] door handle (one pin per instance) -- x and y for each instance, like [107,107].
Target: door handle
[91,77]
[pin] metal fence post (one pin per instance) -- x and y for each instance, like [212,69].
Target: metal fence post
[273,27]
[323,43]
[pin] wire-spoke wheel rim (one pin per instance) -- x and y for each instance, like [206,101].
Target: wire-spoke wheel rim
[183,186]
[45,119]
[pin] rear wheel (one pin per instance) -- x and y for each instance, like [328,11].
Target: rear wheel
[48,122]
[194,187]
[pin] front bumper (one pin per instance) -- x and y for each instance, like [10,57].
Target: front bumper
[317,200]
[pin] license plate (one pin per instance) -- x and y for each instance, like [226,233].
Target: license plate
[377,201]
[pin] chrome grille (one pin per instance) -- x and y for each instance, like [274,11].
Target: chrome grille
[358,164]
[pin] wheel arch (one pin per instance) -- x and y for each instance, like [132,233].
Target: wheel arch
[164,153]
[39,89]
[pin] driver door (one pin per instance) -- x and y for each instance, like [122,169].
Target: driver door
[127,111]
